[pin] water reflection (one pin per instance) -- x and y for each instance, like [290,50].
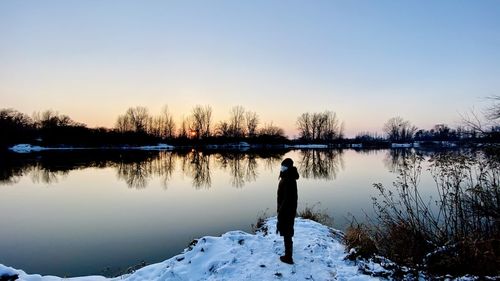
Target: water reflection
[10,173]
[320,164]
[242,168]
[135,174]
[165,166]
[394,159]
[196,165]
[136,169]
[40,175]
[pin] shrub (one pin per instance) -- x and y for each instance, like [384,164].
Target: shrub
[403,243]
[460,234]
[359,242]
[319,216]
[260,225]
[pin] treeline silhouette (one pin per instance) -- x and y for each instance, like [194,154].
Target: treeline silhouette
[52,128]
[399,130]
[138,127]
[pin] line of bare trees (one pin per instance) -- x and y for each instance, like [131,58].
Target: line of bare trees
[322,126]
[137,125]
[197,125]
[241,123]
[137,119]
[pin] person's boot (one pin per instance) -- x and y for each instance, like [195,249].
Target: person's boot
[287,258]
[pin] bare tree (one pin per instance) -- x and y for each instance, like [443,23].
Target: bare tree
[168,128]
[13,118]
[399,130]
[161,126]
[319,126]
[135,119]
[183,130]
[207,118]
[122,124]
[271,130]
[252,121]
[236,122]
[333,129]
[304,126]
[52,119]
[222,129]
[475,123]
[200,121]
[154,126]
[493,112]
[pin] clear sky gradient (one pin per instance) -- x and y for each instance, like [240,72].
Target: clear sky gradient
[426,61]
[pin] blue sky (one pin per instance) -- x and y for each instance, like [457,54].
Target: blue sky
[426,61]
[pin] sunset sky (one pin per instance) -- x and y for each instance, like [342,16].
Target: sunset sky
[426,61]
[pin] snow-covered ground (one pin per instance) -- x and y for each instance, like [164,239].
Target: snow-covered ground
[308,146]
[27,148]
[236,255]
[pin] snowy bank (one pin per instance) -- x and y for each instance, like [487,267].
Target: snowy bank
[160,146]
[28,148]
[236,255]
[401,145]
[308,146]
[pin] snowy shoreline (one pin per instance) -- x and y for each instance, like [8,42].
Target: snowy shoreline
[318,253]
[243,146]
[28,148]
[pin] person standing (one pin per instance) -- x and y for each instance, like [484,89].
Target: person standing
[287,206]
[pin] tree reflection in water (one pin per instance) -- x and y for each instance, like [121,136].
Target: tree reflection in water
[39,174]
[394,160]
[135,174]
[242,167]
[165,166]
[320,164]
[196,164]
[137,168]
[10,174]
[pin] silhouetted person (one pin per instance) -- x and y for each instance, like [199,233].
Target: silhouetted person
[287,206]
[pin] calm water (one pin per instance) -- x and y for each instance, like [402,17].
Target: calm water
[81,213]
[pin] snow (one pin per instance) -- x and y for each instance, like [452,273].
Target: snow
[401,145]
[308,146]
[318,254]
[26,148]
[242,146]
[160,146]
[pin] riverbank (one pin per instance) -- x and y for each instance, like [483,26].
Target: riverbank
[319,254]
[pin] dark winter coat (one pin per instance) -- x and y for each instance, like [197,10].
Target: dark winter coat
[287,201]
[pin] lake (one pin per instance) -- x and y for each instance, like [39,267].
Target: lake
[100,212]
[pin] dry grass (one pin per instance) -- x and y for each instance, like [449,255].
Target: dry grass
[320,216]
[359,242]
[260,225]
[461,237]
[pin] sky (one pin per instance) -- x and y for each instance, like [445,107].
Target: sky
[426,61]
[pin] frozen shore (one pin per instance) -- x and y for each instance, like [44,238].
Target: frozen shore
[318,253]
[28,148]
